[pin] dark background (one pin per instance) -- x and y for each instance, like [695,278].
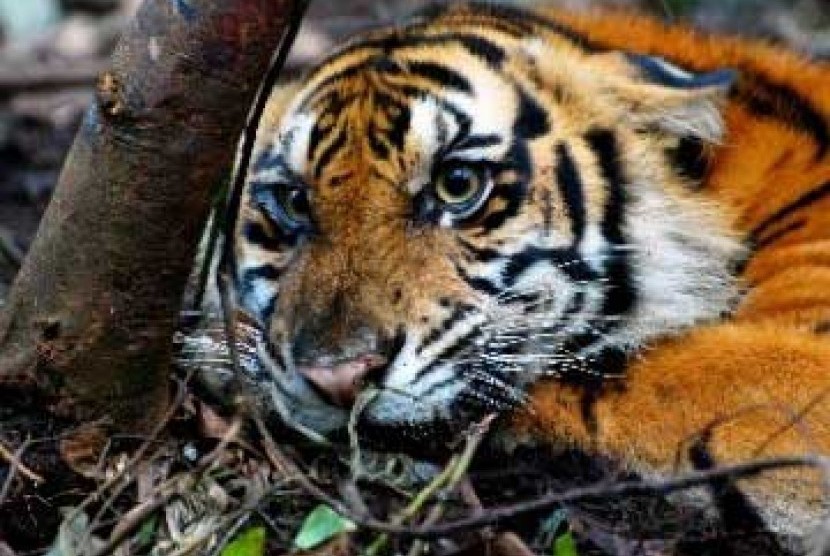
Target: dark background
[51,51]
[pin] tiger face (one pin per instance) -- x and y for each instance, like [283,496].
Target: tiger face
[446,213]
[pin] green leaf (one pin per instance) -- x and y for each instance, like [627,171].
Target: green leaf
[564,545]
[321,525]
[250,542]
[147,532]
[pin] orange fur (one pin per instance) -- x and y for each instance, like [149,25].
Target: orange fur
[759,372]
[760,380]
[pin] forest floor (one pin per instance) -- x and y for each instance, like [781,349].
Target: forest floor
[239,488]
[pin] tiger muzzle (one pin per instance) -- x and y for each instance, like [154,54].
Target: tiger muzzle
[340,364]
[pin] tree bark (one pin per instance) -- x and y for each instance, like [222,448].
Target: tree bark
[89,319]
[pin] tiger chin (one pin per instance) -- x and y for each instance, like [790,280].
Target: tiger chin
[612,233]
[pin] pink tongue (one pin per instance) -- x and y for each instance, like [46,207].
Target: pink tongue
[342,381]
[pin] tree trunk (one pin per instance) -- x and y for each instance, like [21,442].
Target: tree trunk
[89,320]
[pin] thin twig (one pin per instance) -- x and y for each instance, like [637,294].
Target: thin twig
[9,248]
[235,193]
[215,231]
[15,463]
[795,420]
[249,135]
[238,180]
[458,472]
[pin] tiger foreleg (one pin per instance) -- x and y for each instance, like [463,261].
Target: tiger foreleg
[717,396]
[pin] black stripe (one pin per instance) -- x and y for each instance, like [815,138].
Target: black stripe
[480,393]
[621,294]
[379,148]
[478,46]
[764,242]
[400,125]
[603,143]
[462,120]
[330,105]
[492,54]
[441,75]
[474,142]
[609,361]
[316,137]
[481,254]
[522,20]
[478,283]
[263,272]
[446,354]
[570,188]
[767,98]
[805,200]
[459,313]
[331,149]
[737,512]
[514,194]
[550,25]
[532,120]
[255,233]
[565,260]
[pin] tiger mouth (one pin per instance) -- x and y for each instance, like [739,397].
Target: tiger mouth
[341,382]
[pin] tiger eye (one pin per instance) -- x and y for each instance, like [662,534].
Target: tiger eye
[294,208]
[458,185]
[295,203]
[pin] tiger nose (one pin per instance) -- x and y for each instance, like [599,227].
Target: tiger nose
[339,360]
[341,382]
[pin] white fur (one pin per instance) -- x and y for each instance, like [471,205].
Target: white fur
[682,258]
[298,127]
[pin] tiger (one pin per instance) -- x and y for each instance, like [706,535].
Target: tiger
[609,231]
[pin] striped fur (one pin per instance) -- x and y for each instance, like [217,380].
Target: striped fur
[652,253]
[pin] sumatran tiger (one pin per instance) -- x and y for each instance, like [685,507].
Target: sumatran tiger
[611,232]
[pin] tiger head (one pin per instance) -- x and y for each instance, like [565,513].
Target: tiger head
[448,212]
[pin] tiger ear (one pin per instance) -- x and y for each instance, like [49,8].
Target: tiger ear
[658,94]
